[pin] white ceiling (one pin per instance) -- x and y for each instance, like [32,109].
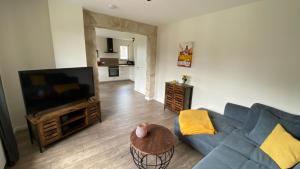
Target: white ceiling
[158,12]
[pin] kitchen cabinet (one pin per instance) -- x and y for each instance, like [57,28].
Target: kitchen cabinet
[103,73]
[131,73]
[123,72]
[126,72]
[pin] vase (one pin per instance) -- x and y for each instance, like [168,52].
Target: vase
[141,130]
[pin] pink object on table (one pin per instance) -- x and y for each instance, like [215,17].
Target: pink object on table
[141,130]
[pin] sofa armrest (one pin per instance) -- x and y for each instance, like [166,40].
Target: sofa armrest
[236,112]
[297,166]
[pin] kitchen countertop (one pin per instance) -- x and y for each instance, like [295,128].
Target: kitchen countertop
[123,65]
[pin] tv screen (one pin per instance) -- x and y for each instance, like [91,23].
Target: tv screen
[50,88]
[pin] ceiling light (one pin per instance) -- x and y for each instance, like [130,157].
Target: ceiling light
[111,6]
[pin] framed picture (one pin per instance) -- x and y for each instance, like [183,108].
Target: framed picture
[185,54]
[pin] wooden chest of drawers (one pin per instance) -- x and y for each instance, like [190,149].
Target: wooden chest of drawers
[178,96]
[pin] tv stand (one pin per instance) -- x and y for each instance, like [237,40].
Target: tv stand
[51,126]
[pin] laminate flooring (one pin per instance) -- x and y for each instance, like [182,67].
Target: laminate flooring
[106,145]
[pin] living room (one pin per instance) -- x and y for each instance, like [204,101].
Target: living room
[241,52]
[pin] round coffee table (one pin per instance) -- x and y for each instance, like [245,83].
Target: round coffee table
[155,150]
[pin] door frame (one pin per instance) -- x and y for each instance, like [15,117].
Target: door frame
[93,20]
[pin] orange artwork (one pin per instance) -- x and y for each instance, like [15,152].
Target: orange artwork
[185,54]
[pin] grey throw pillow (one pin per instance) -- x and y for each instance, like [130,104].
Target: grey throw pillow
[264,126]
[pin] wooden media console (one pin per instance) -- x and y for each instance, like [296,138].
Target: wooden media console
[53,125]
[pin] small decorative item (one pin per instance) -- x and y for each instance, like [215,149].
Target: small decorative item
[174,81]
[141,130]
[185,54]
[184,78]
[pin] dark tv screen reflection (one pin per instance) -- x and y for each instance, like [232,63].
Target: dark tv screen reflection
[50,88]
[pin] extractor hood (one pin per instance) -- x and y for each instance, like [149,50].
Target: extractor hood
[110,45]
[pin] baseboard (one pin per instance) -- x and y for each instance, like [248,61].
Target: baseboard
[19,128]
[160,101]
[124,80]
[149,98]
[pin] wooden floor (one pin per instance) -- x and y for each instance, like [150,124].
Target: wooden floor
[106,145]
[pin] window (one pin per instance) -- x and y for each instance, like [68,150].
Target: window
[124,52]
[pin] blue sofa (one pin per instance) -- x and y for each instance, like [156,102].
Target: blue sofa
[231,147]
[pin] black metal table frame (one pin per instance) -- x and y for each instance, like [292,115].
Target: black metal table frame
[161,160]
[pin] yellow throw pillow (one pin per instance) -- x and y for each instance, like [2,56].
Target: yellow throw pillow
[195,122]
[282,147]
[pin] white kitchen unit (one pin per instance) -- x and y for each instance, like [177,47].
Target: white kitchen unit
[126,72]
[103,73]
[123,72]
[131,73]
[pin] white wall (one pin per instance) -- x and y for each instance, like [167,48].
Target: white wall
[25,43]
[67,30]
[242,55]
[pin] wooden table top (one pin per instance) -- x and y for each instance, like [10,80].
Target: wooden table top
[158,140]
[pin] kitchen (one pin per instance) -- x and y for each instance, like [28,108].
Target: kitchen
[121,56]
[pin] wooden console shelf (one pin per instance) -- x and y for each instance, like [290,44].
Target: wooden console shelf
[53,125]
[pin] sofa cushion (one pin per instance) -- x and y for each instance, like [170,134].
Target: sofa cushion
[264,126]
[236,112]
[239,142]
[253,115]
[237,152]
[253,165]
[204,142]
[292,128]
[224,157]
[297,166]
[283,148]
[289,121]
[223,123]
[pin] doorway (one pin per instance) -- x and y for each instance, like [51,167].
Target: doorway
[121,56]
[93,20]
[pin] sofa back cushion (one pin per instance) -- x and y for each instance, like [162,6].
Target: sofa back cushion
[253,115]
[289,121]
[262,119]
[264,126]
[236,112]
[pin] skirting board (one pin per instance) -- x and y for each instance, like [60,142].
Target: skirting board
[19,128]
[159,100]
[149,98]
[116,81]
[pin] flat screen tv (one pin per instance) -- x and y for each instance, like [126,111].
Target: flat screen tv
[51,88]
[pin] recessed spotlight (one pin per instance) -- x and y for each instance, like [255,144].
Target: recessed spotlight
[111,6]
